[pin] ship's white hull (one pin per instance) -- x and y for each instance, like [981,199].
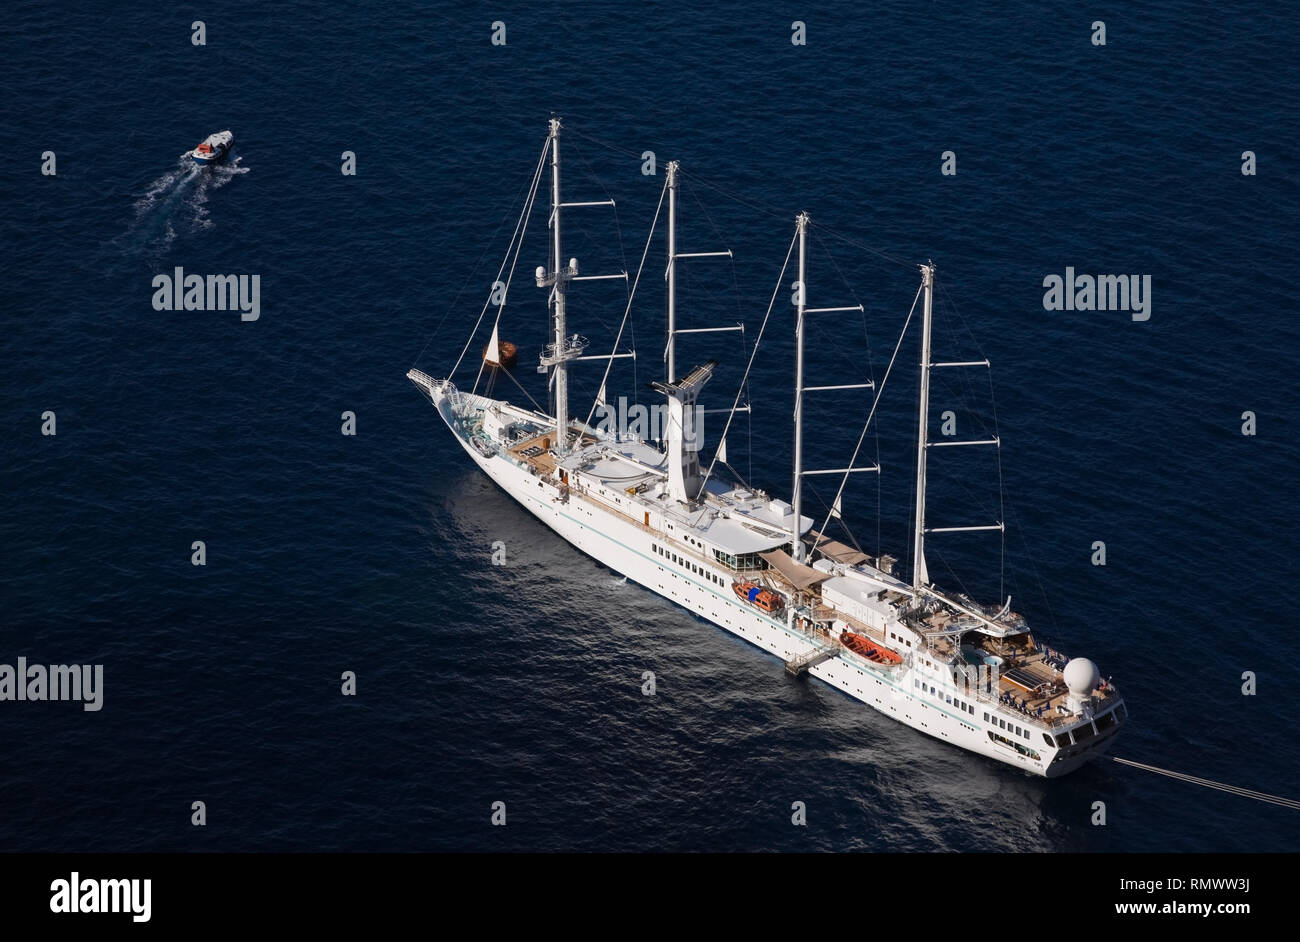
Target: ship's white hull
[903,694]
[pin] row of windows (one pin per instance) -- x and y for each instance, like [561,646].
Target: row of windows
[1009,727]
[687,564]
[1086,731]
[900,638]
[743,561]
[1023,750]
[949,698]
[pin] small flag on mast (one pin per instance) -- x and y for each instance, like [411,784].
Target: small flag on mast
[835,508]
[493,352]
[722,452]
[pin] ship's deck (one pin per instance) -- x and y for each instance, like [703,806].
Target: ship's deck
[536,451]
[1026,674]
[1027,680]
[1027,677]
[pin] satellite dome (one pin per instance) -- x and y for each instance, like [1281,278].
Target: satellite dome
[1081,675]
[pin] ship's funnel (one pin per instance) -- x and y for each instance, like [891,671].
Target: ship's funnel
[685,434]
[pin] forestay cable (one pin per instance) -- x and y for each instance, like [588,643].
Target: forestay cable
[752,356]
[866,425]
[516,237]
[519,245]
[632,294]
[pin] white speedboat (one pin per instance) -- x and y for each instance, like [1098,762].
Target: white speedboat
[214,149]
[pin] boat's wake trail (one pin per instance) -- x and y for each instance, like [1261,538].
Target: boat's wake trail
[210,179]
[174,204]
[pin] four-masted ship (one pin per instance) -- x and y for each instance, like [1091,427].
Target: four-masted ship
[754,564]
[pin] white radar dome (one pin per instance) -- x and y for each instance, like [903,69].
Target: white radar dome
[1081,675]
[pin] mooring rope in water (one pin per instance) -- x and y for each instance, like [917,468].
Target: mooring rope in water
[1231,789]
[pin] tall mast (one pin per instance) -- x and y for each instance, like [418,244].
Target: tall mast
[563,348]
[801,307]
[685,433]
[920,576]
[796,543]
[561,366]
[671,355]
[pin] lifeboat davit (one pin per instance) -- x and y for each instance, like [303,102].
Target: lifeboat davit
[871,650]
[763,599]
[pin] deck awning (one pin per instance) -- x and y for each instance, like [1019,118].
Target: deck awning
[838,552]
[797,574]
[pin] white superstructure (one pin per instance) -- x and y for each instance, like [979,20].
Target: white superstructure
[753,564]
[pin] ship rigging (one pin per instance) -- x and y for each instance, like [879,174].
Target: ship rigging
[972,675]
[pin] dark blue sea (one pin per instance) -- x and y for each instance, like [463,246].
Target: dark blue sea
[372,553]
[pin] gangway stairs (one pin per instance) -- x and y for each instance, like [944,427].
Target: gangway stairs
[800,664]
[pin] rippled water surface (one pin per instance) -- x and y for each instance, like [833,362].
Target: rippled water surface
[522,683]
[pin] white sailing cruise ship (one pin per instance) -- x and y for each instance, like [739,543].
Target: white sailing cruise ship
[753,564]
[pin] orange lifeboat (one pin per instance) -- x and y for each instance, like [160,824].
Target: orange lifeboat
[763,599]
[871,650]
